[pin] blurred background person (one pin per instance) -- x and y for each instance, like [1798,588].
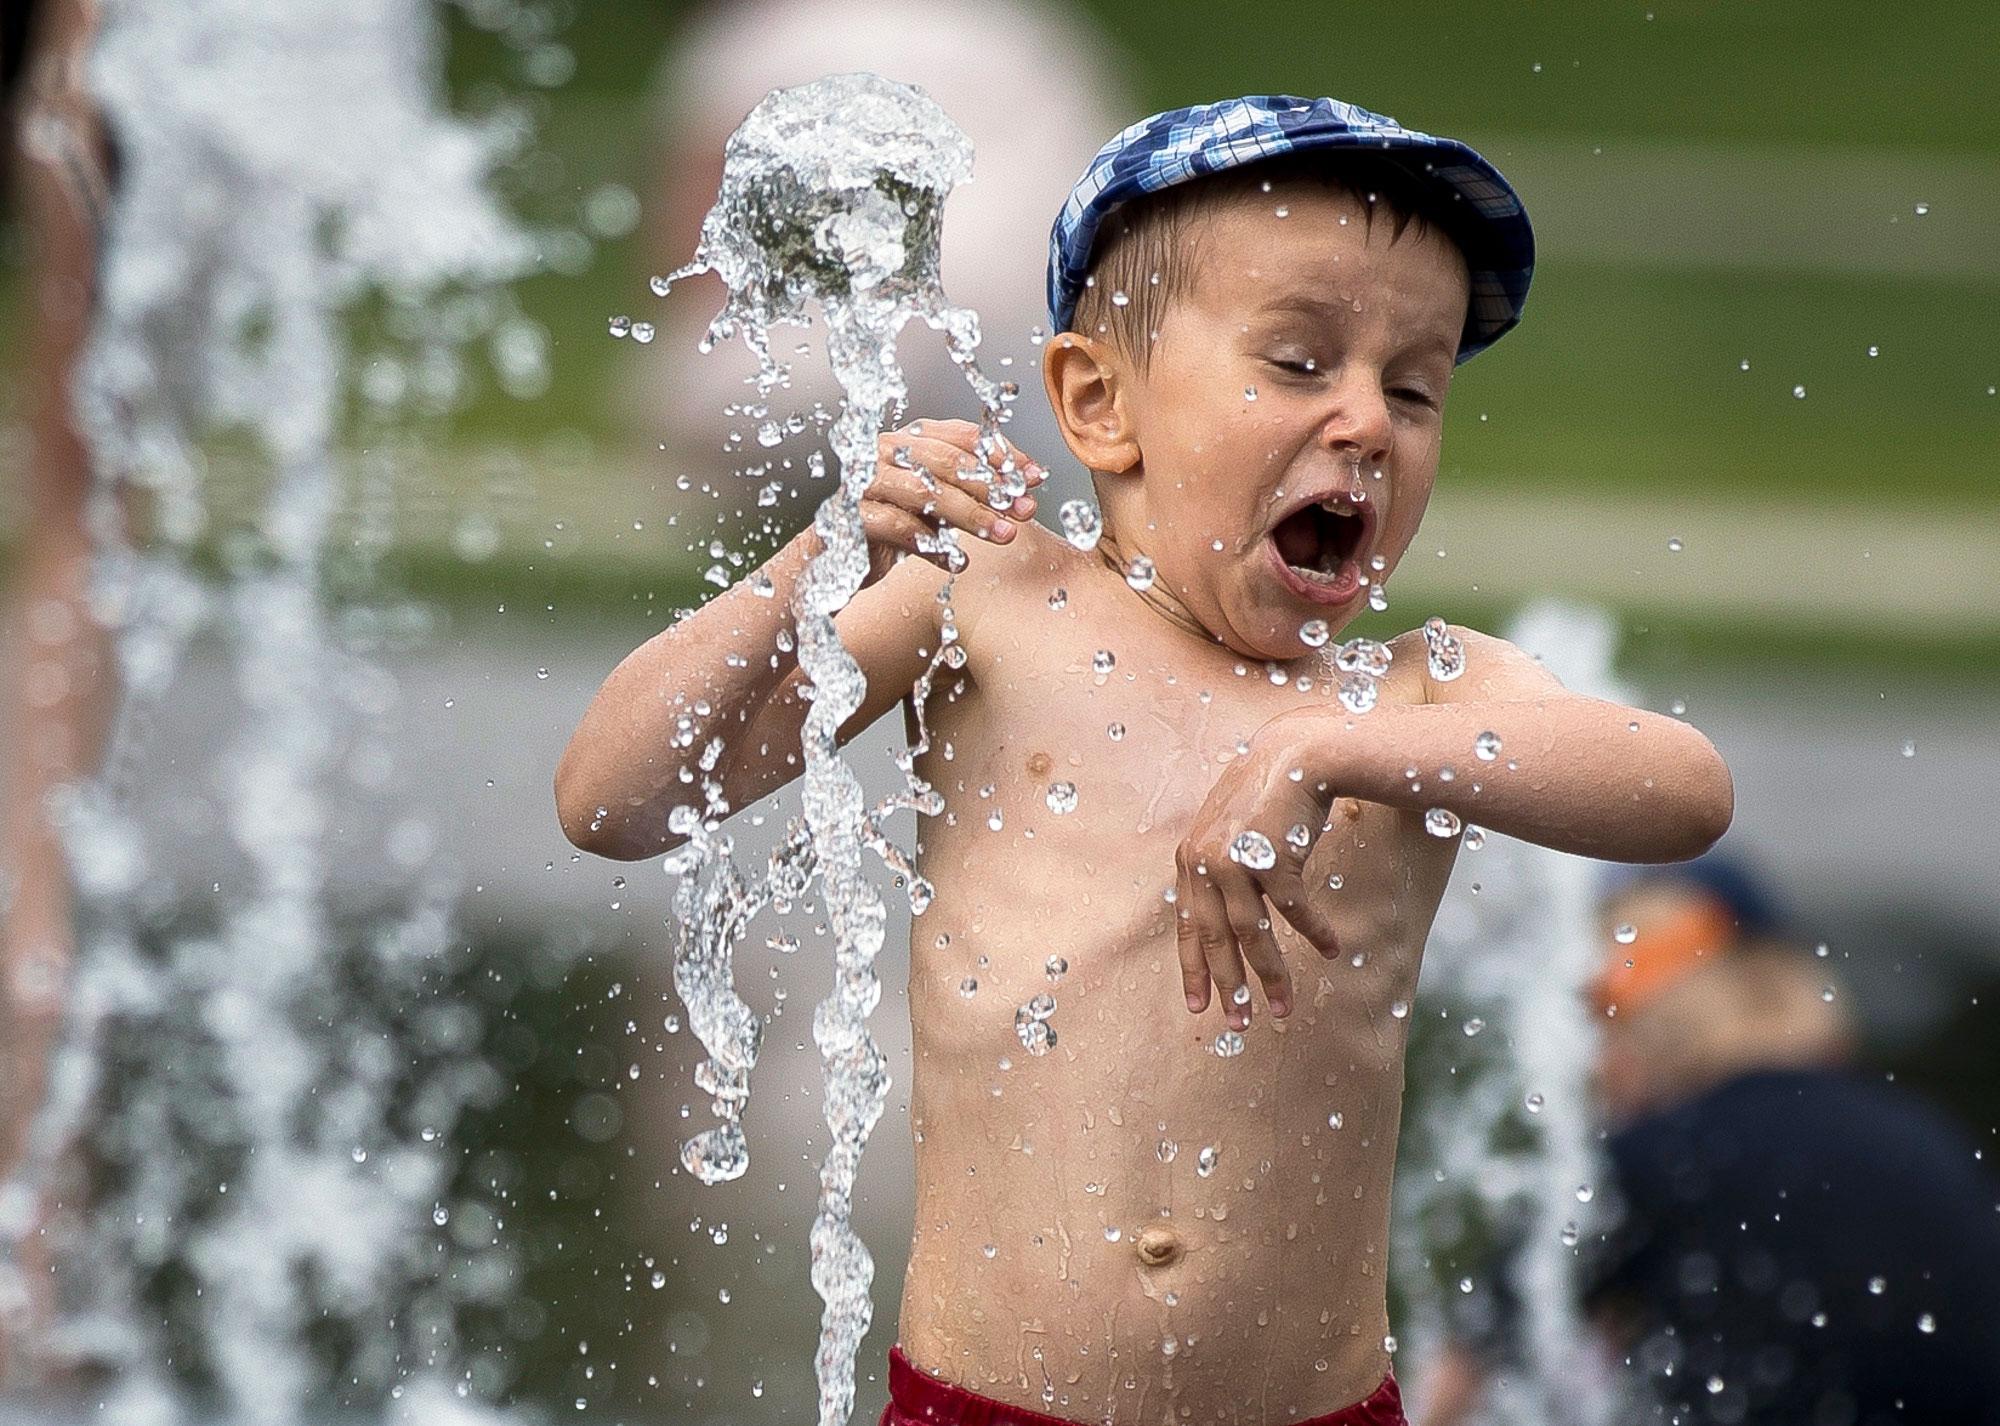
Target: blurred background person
[1799,1245]
[56,676]
[1033,86]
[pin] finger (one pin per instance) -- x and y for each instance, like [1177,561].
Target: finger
[1217,943]
[1287,892]
[965,436]
[1251,926]
[954,465]
[936,502]
[887,526]
[1194,969]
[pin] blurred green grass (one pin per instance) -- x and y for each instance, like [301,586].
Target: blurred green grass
[1626,375]
[1622,376]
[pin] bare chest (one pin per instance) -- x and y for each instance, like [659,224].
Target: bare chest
[1071,769]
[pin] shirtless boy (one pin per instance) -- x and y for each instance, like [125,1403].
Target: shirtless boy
[1139,1229]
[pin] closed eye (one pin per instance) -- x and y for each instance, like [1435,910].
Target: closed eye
[1300,368]
[1412,393]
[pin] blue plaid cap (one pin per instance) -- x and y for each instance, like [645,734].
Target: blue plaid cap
[1477,206]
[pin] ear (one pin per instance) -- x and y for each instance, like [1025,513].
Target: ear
[1090,389]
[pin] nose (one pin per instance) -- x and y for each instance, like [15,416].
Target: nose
[1358,425]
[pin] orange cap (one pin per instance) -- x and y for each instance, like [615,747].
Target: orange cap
[1671,942]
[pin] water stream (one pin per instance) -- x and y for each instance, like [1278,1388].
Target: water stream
[282,1136]
[832,196]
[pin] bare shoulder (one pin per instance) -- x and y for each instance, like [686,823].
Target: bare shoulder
[1496,671]
[999,581]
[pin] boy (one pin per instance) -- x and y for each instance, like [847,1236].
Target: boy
[1259,305]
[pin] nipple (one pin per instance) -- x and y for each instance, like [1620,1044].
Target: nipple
[1157,1245]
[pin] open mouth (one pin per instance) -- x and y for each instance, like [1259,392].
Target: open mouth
[1317,546]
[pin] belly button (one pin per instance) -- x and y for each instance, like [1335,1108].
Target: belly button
[1157,1245]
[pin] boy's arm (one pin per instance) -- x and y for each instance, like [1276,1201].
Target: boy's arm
[730,670]
[1574,773]
[720,673]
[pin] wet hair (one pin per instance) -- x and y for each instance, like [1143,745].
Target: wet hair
[1147,251]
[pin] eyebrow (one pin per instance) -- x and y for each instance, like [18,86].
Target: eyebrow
[1312,306]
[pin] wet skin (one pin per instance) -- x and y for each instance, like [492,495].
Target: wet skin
[1278,1257]
[1275,1261]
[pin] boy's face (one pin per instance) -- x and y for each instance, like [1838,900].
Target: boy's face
[1305,367]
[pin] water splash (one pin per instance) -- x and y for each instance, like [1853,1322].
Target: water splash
[1505,1141]
[275,164]
[832,194]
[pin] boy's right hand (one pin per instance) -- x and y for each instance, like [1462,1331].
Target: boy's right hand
[928,475]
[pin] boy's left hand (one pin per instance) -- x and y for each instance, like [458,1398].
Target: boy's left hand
[1219,911]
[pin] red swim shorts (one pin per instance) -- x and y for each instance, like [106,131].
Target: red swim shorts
[918,1399]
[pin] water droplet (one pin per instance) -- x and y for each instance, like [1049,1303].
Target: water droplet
[1474,1026]
[1475,837]
[1674,546]
[1037,1036]
[1909,747]
[1336,1120]
[1799,393]
[1139,573]
[358,1154]
[1115,732]
[1058,597]
[1399,1008]
[1389,1344]
[990,1249]
[1715,1386]
[1082,526]
[1625,935]
[1534,1103]
[1102,662]
[1826,994]
[1249,393]
[1055,967]
[659,285]
[1927,1324]
[620,326]
[968,987]
[1584,1193]
[1240,995]
[1486,747]
[1922,209]
[1442,822]
[1254,850]
[440,1215]
[1204,1162]
[1447,654]
[1570,1235]
[1313,633]
[1113,1234]
[1167,1150]
[1119,299]
[659,1279]
[1062,797]
[642,332]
